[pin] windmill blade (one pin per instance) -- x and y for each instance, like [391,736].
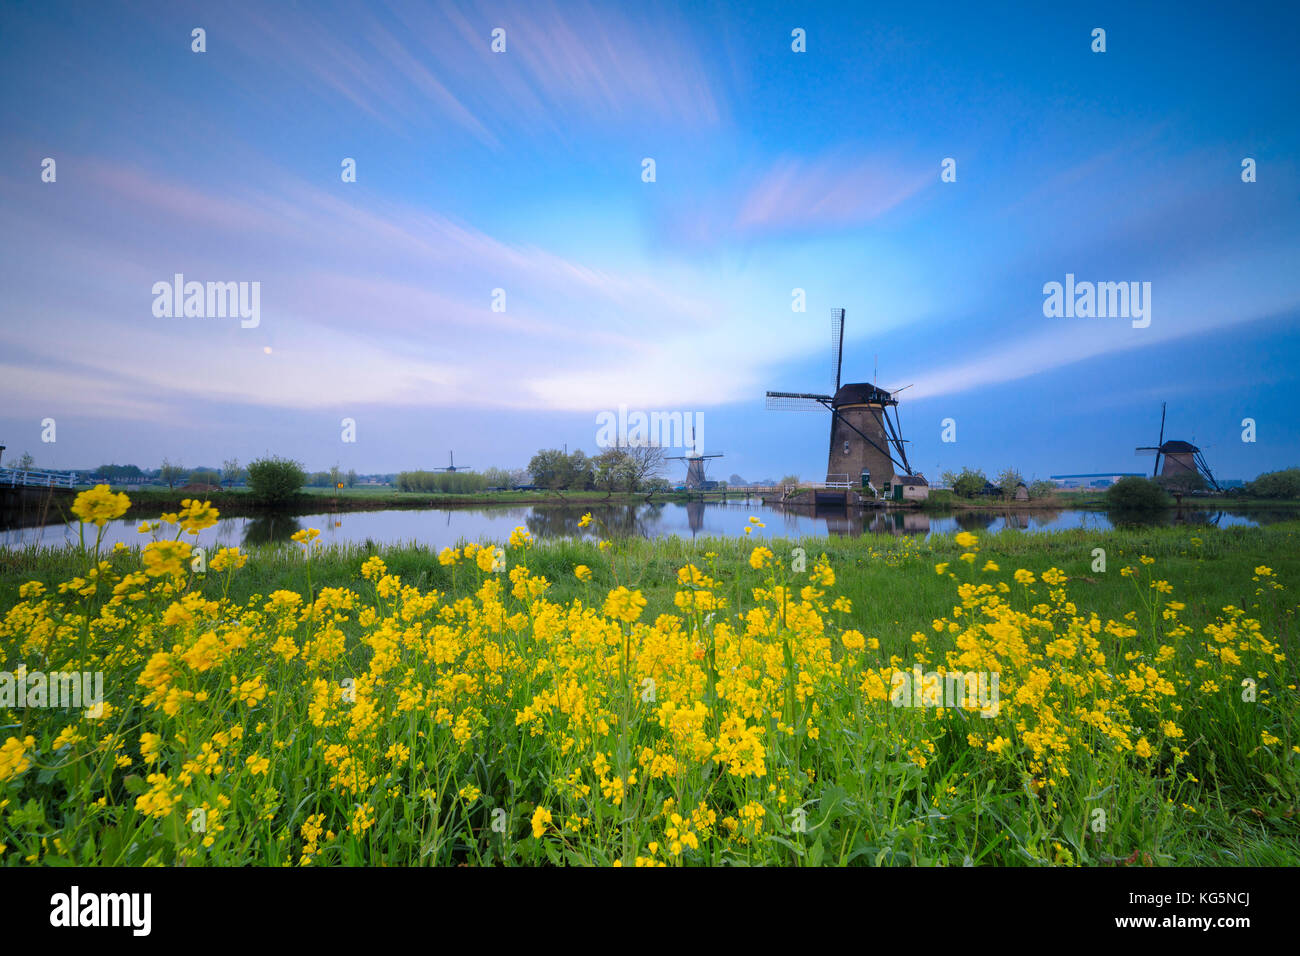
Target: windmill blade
[797,402]
[1146,451]
[1156,469]
[837,342]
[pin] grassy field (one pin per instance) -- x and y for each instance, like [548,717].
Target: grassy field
[402,707]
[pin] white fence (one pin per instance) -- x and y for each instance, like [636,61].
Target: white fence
[37,479]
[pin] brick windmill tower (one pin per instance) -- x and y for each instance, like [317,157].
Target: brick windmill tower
[866,444]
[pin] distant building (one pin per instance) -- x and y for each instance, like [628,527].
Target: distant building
[1099,479]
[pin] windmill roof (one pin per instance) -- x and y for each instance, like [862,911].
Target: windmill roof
[860,393]
[1175,446]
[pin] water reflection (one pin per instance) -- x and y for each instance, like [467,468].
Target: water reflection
[269,529]
[445,527]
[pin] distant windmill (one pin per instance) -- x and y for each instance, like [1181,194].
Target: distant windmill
[1182,459]
[865,439]
[453,466]
[694,469]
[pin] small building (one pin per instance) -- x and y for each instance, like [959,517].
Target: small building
[907,488]
[1022,493]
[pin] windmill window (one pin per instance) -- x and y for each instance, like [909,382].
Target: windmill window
[846,448]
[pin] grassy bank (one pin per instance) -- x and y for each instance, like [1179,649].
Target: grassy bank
[392,706]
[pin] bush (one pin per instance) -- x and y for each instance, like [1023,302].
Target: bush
[274,479]
[1042,489]
[1135,494]
[441,482]
[969,483]
[1276,484]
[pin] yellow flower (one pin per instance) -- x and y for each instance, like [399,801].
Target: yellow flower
[586,520]
[760,557]
[486,558]
[257,764]
[13,756]
[853,640]
[165,558]
[1143,748]
[582,572]
[623,604]
[99,505]
[941,568]
[966,540]
[541,817]
[306,536]
[196,516]
[228,558]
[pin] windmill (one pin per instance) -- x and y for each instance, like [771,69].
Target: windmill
[1183,461]
[866,441]
[694,468]
[453,467]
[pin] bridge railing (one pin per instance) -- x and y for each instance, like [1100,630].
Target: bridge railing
[14,477]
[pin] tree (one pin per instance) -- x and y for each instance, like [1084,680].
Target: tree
[1276,484]
[736,481]
[1008,481]
[579,471]
[336,477]
[969,483]
[204,476]
[613,467]
[1134,494]
[645,461]
[231,472]
[350,479]
[275,480]
[1042,489]
[169,474]
[790,480]
[548,468]
[25,463]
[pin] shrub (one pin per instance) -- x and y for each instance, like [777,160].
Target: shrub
[275,479]
[1133,494]
[1042,489]
[970,483]
[1276,484]
[441,482]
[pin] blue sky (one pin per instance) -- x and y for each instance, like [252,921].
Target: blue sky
[521,171]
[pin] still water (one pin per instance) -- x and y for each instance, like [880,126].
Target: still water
[443,527]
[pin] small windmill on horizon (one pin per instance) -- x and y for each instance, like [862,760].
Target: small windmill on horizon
[453,467]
